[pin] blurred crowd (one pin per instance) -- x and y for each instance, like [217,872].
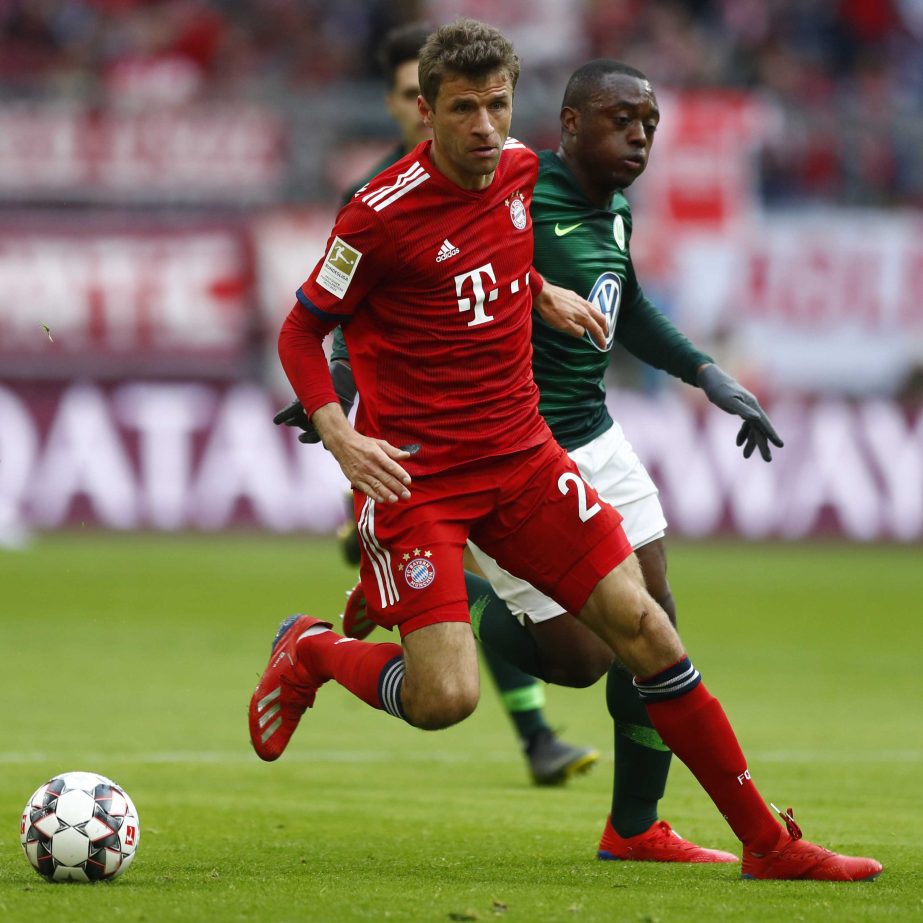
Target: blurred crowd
[846,75]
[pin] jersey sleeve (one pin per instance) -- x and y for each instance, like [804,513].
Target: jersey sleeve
[358,255]
[650,336]
[356,259]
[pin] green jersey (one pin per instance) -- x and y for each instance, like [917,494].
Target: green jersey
[585,248]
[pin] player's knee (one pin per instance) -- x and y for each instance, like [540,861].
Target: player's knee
[443,706]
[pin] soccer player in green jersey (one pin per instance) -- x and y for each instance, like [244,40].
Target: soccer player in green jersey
[582,227]
[551,761]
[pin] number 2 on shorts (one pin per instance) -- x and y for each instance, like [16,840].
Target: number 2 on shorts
[583,511]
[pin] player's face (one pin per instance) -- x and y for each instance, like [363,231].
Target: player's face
[401,101]
[614,132]
[470,122]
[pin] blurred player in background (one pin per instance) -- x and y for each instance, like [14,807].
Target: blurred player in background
[426,343]
[551,760]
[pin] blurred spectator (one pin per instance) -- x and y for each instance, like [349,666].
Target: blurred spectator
[846,74]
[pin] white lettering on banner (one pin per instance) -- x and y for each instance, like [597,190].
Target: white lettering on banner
[897,450]
[166,417]
[164,290]
[18,450]
[244,458]
[477,285]
[663,433]
[196,153]
[208,457]
[833,473]
[84,456]
[750,488]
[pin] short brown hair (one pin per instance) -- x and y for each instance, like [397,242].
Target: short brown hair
[467,48]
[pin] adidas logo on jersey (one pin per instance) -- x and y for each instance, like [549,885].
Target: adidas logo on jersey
[446,251]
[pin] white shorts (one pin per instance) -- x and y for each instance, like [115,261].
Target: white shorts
[609,463]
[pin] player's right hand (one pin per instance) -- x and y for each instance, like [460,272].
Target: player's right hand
[568,312]
[370,465]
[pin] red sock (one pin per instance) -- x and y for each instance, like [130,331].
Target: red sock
[355,665]
[695,727]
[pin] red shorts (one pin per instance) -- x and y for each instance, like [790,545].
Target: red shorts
[531,511]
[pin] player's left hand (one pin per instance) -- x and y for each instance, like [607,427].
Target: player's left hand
[294,415]
[567,311]
[728,394]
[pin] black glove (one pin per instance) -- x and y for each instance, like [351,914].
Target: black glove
[728,394]
[294,415]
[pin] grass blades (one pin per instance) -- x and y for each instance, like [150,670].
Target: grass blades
[134,656]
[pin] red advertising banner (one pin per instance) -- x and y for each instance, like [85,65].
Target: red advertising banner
[108,297]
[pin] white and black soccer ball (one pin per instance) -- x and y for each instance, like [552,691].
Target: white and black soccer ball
[79,826]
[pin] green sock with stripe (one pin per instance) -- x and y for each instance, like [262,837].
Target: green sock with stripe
[509,653]
[642,760]
[523,696]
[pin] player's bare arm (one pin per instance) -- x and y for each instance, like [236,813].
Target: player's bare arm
[568,312]
[369,464]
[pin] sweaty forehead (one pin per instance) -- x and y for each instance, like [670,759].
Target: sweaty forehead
[615,90]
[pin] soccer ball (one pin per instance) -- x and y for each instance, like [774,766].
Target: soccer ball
[79,826]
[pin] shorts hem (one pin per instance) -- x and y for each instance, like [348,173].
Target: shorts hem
[431,617]
[586,575]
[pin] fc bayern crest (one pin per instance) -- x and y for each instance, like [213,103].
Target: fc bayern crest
[518,213]
[419,573]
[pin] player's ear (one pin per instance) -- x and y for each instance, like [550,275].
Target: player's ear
[426,114]
[570,119]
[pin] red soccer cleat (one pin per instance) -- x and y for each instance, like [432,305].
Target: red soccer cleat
[286,688]
[659,843]
[356,622]
[798,860]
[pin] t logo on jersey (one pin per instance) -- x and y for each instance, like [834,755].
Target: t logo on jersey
[476,277]
[606,296]
[338,268]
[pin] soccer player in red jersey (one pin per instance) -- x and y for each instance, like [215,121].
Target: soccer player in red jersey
[429,271]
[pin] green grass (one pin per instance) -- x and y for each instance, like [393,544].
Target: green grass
[135,656]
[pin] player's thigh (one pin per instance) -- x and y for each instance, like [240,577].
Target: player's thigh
[551,529]
[441,679]
[652,558]
[622,612]
[411,566]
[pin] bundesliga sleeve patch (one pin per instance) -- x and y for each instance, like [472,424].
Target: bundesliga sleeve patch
[338,268]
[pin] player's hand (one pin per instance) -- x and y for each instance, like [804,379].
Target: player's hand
[370,465]
[728,394]
[567,311]
[344,384]
[294,415]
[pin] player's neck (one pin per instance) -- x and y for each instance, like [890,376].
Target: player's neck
[597,196]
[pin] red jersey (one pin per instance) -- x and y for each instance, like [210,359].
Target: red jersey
[431,283]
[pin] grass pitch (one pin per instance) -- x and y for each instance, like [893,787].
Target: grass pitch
[135,657]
